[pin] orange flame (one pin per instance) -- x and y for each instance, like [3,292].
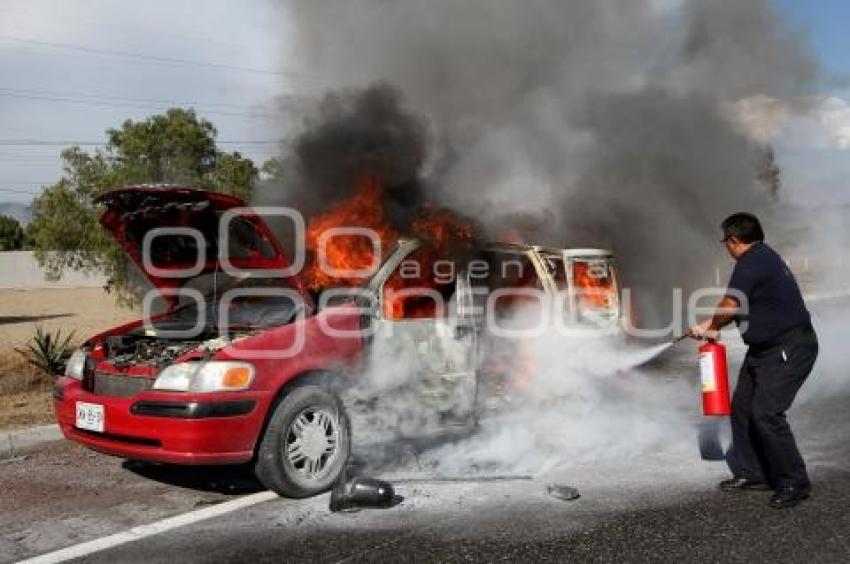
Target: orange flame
[441,228]
[405,295]
[438,229]
[347,253]
[352,253]
[594,291]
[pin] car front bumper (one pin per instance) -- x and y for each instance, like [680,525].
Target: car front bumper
[176,428]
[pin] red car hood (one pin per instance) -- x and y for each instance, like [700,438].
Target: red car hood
[134,211]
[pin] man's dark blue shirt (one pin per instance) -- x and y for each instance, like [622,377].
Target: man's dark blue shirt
[774,302]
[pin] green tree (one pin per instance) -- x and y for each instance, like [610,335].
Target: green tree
[174,148]
[11,234]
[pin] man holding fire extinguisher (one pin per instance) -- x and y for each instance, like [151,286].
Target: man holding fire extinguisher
[765,302]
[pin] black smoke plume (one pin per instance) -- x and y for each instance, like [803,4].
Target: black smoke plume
[354,133]
[588,122]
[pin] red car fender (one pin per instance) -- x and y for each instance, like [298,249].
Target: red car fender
[329,341]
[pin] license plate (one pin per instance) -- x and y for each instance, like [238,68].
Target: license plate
[90,416]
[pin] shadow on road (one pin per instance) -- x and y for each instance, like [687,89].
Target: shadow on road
[228,480]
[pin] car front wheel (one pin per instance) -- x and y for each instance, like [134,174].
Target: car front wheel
[306,444]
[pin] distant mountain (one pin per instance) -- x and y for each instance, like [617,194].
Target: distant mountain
[21,212]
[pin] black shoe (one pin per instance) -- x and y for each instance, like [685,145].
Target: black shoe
[789,496]
[743,484]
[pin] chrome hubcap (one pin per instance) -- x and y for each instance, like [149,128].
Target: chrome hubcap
[312,442]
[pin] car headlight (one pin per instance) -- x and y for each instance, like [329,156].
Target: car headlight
[210,376]
[76,364]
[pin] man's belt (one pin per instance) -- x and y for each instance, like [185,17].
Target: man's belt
[783,339]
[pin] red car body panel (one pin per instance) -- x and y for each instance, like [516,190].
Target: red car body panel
[150,207]
[320,351]
[215,440]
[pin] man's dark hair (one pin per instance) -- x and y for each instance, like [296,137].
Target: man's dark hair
[744,226]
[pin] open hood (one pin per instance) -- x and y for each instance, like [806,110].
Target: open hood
[133,212]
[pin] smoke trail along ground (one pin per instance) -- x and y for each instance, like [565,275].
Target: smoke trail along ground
[586,401]
[586,407]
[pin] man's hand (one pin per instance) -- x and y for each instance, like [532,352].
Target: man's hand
[704,331]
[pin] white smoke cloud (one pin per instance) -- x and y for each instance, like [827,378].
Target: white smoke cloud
[766,120]
[763,118]
[586,401]
[835,117]
[812,146]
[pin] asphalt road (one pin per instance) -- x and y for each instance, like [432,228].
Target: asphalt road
[666,508]
[658,505]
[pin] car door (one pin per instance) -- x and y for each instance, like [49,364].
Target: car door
[519,295]
[423,336]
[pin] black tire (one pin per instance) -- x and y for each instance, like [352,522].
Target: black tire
[274,467]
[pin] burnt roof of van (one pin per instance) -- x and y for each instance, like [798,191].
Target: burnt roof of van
[570,252]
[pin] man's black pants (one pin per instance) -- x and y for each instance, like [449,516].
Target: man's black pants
[763,447]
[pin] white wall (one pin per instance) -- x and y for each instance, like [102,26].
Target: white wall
[20,270]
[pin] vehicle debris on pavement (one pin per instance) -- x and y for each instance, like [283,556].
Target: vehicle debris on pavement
[361,493]
[565,493]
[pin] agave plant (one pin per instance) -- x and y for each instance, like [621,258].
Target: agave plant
[48,351]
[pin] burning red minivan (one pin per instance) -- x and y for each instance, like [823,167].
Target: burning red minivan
[241,365]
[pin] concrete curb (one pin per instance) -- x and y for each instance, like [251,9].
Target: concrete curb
[28,440]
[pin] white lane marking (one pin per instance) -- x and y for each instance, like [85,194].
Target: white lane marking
[142,531]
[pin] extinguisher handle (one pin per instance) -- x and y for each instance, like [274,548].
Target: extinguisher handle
[712,338]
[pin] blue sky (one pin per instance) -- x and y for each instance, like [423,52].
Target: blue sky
[814,150]
[825,23]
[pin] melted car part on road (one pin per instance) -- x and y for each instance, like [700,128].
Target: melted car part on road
[361,493]
[560,491]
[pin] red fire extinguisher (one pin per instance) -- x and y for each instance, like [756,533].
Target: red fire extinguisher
[714,375]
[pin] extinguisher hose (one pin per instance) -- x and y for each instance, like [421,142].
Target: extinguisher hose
[686,335]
